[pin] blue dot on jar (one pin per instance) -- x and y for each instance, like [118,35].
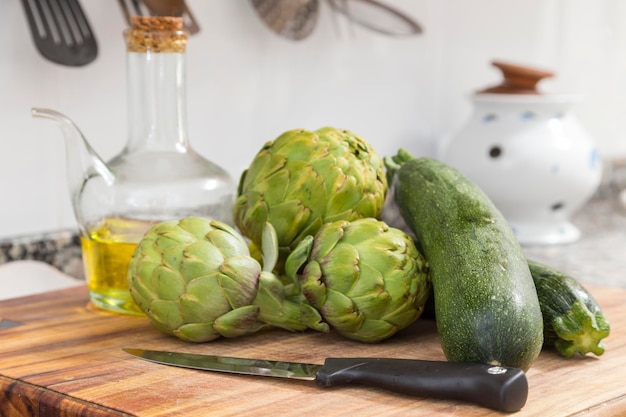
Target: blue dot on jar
[489,118]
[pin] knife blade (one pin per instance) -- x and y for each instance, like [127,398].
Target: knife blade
[497,387]
[7,324]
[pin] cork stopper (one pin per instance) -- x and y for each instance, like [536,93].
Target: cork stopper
[517,79]
[156,34]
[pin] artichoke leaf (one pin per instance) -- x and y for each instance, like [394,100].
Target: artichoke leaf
[306,184]
[341,313]
[239,322]
[314,225]
[371,231]
[197,332]
[341,267]
[297,258]
[169,318]
[269,247]
[194,303]
[370,202]
[313,288]
[200,258]
[250,212]
[146,269]
[289,218]
[327,238]
[238,280]
[373,331]
[167,283]
[166,236]
[403,317]
[273,187]
[375,303]
[172,256]
[280,311]
[230,243]
[345,197]
[196,227]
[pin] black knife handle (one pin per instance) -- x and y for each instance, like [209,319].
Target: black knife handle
[497,387]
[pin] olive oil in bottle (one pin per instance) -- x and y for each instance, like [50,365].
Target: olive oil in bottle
[107,251]
[157,176]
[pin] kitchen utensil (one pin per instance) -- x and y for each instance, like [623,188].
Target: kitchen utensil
[7,324]
[176,8]
[497,387]
[296,19]
[530,154]
[156,177]
[61,31]
[292,19]
[377,16]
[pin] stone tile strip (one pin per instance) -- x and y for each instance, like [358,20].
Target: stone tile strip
[59,249]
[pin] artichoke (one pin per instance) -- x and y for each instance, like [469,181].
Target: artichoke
[195,279]
[368,280]
[304,179]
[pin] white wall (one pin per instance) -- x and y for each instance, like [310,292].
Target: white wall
[246,85]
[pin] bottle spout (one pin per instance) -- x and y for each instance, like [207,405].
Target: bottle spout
[82,161]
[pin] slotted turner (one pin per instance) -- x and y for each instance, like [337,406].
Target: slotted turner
[61,31]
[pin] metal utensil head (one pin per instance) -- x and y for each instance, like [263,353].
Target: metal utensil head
[293,370]
[61,31]
[377,16]
[292,19]
[7,324]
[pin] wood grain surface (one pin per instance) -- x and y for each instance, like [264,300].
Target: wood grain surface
[66,360]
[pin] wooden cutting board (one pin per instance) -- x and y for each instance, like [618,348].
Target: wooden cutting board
[66,359]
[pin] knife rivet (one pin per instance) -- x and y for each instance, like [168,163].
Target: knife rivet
[496,370]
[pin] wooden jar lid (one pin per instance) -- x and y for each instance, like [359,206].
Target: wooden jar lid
[518,79]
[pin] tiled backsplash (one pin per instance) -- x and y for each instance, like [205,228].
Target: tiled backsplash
[614,180]
[59,249]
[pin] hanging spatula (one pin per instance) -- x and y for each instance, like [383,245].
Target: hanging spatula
[61,31]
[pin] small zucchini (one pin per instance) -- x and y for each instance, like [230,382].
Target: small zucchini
[486,306]
[572,319]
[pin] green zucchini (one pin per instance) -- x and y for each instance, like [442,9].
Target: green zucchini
[486,306]
[572,319]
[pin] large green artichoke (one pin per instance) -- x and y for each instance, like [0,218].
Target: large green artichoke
[195,279]
[368,280]
[304,179]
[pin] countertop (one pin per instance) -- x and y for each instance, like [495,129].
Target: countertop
[599,256]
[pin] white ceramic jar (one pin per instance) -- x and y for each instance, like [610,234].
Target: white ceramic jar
[532,157]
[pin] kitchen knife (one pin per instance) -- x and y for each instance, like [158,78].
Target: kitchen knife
[497,387]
